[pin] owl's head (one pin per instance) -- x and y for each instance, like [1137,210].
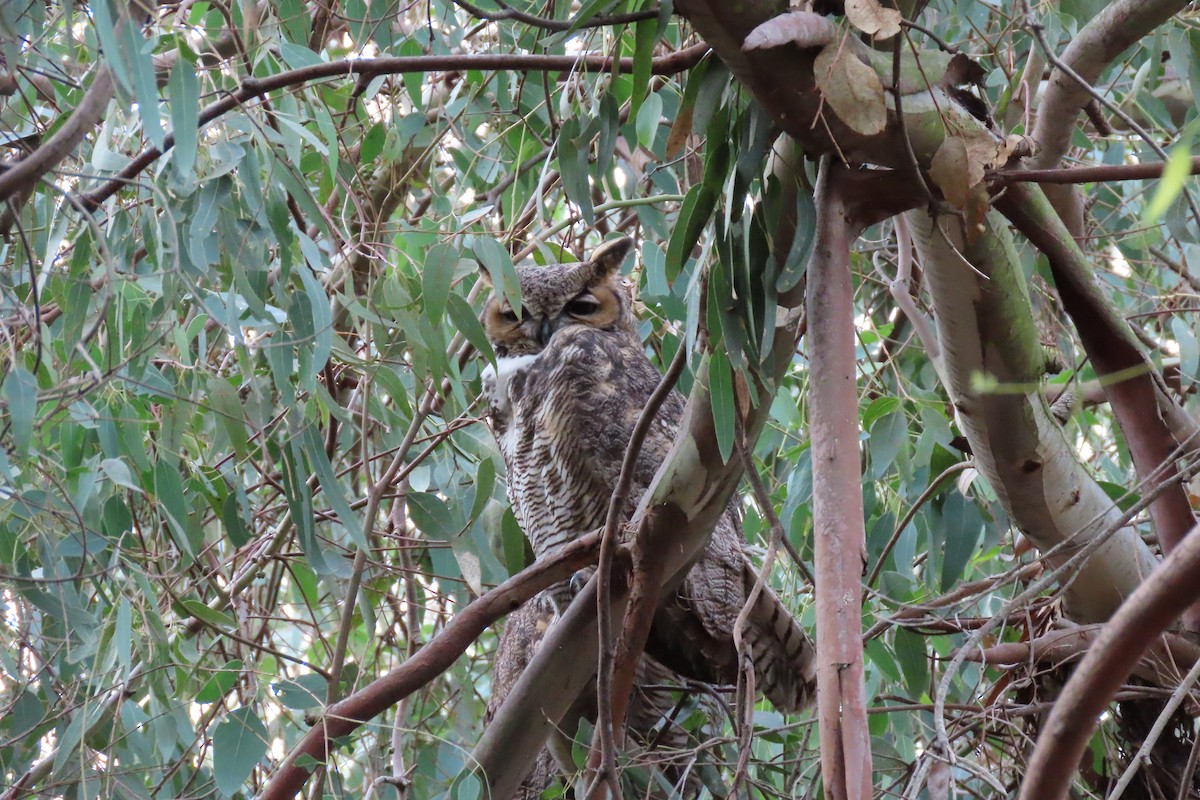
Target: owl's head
[553,297]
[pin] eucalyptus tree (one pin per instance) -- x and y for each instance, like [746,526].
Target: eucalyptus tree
[930,270]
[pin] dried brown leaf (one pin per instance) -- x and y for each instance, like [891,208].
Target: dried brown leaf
[963,71]
[851,88]
[681,129]
[948,171]
[1013,146]
[979,202]
[872,18]
[801,28]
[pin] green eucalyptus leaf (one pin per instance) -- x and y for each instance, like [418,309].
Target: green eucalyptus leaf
[239,744]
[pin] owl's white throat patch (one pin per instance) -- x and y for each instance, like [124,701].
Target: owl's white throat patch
[496,381]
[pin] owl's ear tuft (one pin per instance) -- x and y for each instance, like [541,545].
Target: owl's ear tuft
[609,256]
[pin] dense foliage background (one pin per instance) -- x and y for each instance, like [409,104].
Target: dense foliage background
[244,471]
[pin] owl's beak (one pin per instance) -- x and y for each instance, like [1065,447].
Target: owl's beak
[545,330]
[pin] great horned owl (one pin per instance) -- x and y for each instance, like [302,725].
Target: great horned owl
[664,744]
[570,381]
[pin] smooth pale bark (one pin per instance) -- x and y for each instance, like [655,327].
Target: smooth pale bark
[1137,393]
[1089,53]
[992,368]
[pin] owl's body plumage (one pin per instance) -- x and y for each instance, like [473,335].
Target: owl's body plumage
[655,715]
[571,380]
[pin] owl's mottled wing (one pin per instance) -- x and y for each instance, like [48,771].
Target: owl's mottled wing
[693,630]
[654,713]
[573,410]
[523,632]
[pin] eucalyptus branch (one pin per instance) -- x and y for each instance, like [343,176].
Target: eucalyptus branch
[430,661]
[507,12]
[611,708]
[365,69]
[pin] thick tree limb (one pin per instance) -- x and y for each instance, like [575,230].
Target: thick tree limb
[1155,605]
[985,323]
[617,668]
[1101,40]
[22,176]
[985,326]
[1134,387]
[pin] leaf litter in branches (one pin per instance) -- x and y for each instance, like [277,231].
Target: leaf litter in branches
[872,18]
[851,88]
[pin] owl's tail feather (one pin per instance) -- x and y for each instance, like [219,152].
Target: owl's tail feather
[785,668]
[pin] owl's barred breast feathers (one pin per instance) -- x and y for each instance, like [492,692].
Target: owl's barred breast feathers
[572,377]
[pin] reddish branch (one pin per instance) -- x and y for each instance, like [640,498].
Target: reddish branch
[366,69]
[432,660]
[1155,604]
[1162,664]
[839,535]
[1108,172]
[21,176]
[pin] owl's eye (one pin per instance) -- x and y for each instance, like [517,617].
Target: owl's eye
[583,306]
[508,315]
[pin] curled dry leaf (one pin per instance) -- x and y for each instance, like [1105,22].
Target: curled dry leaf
[851,88]
[948,171]
[961,162]
[801,28]
[1013,146]
[872,18]
[681,129]
[962,71]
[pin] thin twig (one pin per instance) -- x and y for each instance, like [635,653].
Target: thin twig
[507,12]
[429,662]
[1164,718]
[252,87]
[1073,175]
[746,688]
[605,725]
[1064,571]
[912,512]
[763,498]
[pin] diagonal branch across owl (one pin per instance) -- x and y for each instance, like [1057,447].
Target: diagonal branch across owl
[571,379]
